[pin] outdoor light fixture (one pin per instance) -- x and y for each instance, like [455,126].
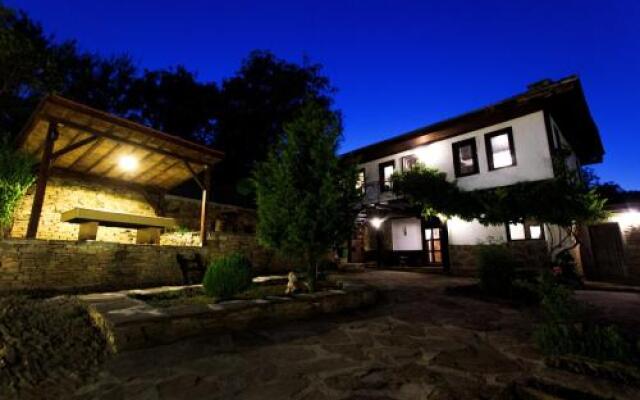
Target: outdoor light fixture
[627,218]
[376,222]
[128,163]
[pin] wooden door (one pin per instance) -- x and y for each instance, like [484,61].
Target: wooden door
[608,251]
[433,246]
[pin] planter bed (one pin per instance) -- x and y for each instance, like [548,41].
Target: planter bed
[131,323]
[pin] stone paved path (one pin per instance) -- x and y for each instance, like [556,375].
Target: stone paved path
[419,344]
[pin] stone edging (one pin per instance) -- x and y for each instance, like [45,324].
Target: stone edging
[129,324]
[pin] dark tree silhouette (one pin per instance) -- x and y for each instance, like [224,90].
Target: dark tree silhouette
[254,105]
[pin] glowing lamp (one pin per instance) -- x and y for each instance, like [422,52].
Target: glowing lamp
[128,163]
[376,222]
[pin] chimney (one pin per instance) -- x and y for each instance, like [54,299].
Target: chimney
[538,85]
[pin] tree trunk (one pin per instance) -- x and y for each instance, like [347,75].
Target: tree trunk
[312,272]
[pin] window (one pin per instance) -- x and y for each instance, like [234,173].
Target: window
[465,157]
[386,170]
[408,162]
[360,181]
[525,231]
[500,149]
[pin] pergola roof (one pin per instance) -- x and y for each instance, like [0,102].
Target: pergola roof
[92,142]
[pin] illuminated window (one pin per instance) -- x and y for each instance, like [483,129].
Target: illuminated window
[500,149]
[360,181]
[465,157]
[409,162]
[525,231]
[386,170]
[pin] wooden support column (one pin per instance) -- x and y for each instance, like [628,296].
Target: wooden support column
[206,194]
[43,177]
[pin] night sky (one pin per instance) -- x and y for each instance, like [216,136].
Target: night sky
[397,65]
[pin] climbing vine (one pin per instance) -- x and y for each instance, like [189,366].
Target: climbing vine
[563,201]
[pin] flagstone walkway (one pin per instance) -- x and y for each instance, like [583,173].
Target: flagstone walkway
[419,344]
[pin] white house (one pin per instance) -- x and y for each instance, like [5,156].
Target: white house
[511,141]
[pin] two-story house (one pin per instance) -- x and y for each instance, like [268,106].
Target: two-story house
[511,141]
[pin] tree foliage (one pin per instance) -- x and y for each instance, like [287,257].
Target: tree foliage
[254,105]
[249,107]
[306,199]
[564,201]
[16,175]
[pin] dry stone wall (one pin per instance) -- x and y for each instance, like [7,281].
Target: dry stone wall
[532,254]
[56,260]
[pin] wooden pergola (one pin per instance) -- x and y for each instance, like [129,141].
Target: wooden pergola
[65,135]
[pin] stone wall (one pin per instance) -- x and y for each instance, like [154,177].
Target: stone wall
[61,265]
[532,253]
[65,192]
[68,265]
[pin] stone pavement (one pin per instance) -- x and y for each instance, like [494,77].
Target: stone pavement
[419,344]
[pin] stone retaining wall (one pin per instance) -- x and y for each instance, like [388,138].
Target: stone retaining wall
[130,324]
[532,253]
[61,265]
[67,265]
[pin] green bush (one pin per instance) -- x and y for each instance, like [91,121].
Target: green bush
[496,269]
[566,331]
[16,175]
[227,276]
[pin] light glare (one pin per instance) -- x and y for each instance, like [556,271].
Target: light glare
[128,163]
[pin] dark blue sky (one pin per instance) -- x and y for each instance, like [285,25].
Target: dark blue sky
[397,64]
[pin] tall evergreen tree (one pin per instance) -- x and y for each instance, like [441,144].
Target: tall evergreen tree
[306,199]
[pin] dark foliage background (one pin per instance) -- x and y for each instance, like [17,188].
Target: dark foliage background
[242,116]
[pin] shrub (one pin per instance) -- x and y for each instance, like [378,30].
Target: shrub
[496,269]
[565,331]
[565,270]
[16,175]
[227,276]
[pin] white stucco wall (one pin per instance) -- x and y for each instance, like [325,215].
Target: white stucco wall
[406,234]
[572,161]
[531,148]
[471,233]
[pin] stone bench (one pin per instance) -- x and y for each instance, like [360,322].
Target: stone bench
[148,228]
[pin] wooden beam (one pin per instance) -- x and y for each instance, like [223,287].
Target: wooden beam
[119,139]
[194,175]
[102,158]
[41,183]
[74,146]
[86,154]
[206,192]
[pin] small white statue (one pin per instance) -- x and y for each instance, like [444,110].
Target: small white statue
[293,285]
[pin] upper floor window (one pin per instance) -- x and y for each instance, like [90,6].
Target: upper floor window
[500,149]
[386,170]
[465,157]
[360,181]
[525,231]
[408,162]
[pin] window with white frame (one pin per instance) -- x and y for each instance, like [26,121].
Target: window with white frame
[527,230]
[408,162]
[500,149]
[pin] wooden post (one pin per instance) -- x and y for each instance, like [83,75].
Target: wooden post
[41,183]
[206,192]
